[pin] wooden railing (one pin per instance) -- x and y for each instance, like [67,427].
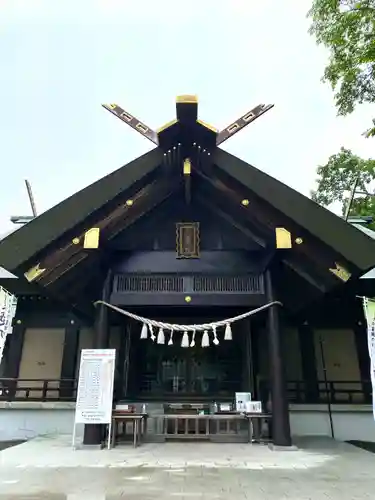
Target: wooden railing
[330,391]
[247,284]
[12,389]
[299,392]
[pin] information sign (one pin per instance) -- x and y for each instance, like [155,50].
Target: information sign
[95,386]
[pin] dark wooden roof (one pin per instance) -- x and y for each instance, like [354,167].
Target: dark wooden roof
[219,182]
[20,246]
[352,244]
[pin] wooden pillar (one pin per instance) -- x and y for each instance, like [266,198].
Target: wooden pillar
[122,362]
[69,358]
[308,361]
[93,433]
[280,410]
[14,353]
[248,378]
[126,360]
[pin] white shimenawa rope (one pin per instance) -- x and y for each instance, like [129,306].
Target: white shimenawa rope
[183,328]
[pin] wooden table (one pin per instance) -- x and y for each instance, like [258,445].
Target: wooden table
[255,421]
[139,421]
[200,426]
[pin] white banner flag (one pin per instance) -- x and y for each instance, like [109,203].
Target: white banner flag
[369,308]
[8,305]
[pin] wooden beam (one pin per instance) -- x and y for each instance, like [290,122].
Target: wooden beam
[242,122]
[289,258]
[187,180]
[160,192]
[187,183]
[322,258]
[69,276]
[72,284]
[62,260]
[235,223]
[304,274]
[187,109]
[69,358]
[133,122]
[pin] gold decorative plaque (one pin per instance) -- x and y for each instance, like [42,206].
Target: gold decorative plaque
[187,240]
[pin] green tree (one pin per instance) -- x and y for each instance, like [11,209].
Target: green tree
[337,178]
[347,29]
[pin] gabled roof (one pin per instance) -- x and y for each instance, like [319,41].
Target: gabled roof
[353,245]
[19,246]
[322,241]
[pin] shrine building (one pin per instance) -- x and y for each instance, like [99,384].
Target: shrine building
[190,234]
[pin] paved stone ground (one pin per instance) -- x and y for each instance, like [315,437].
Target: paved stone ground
[47,468]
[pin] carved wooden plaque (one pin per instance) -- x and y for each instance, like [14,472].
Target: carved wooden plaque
[187,240]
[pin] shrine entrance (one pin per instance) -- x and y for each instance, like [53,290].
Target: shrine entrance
[167,372]
[194,371]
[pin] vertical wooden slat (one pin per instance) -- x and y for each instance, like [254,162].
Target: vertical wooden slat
[308,362]
[45,390]
[69,358]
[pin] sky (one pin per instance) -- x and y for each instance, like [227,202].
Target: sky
[61,59]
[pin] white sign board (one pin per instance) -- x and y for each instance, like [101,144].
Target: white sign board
[8,305]
[241,399]
[95,386]
[254,407]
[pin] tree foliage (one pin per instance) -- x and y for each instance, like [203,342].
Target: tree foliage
[347,29]
[337,178]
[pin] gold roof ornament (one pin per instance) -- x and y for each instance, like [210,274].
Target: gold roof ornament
[187,99]
[340,272]
[33,273]
[91,239]
[187,166]
[283,238]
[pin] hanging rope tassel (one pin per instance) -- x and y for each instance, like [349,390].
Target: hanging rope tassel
[228,332]
[192,343]
[144,332]
[216,340]
[185,340]
[150,324]
[161,336]
[205,339]
[152,335]
[170,341]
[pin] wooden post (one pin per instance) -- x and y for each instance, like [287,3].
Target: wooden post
[122,362]
[69,358]
[280,410]
[308,361]
[248,375]
[93,433]
[14,353]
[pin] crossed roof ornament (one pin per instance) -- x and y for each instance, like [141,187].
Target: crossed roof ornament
[187,117]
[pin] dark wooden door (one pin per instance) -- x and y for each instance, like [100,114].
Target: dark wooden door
[172,371]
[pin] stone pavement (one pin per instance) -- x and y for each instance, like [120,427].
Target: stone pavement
[47,468]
